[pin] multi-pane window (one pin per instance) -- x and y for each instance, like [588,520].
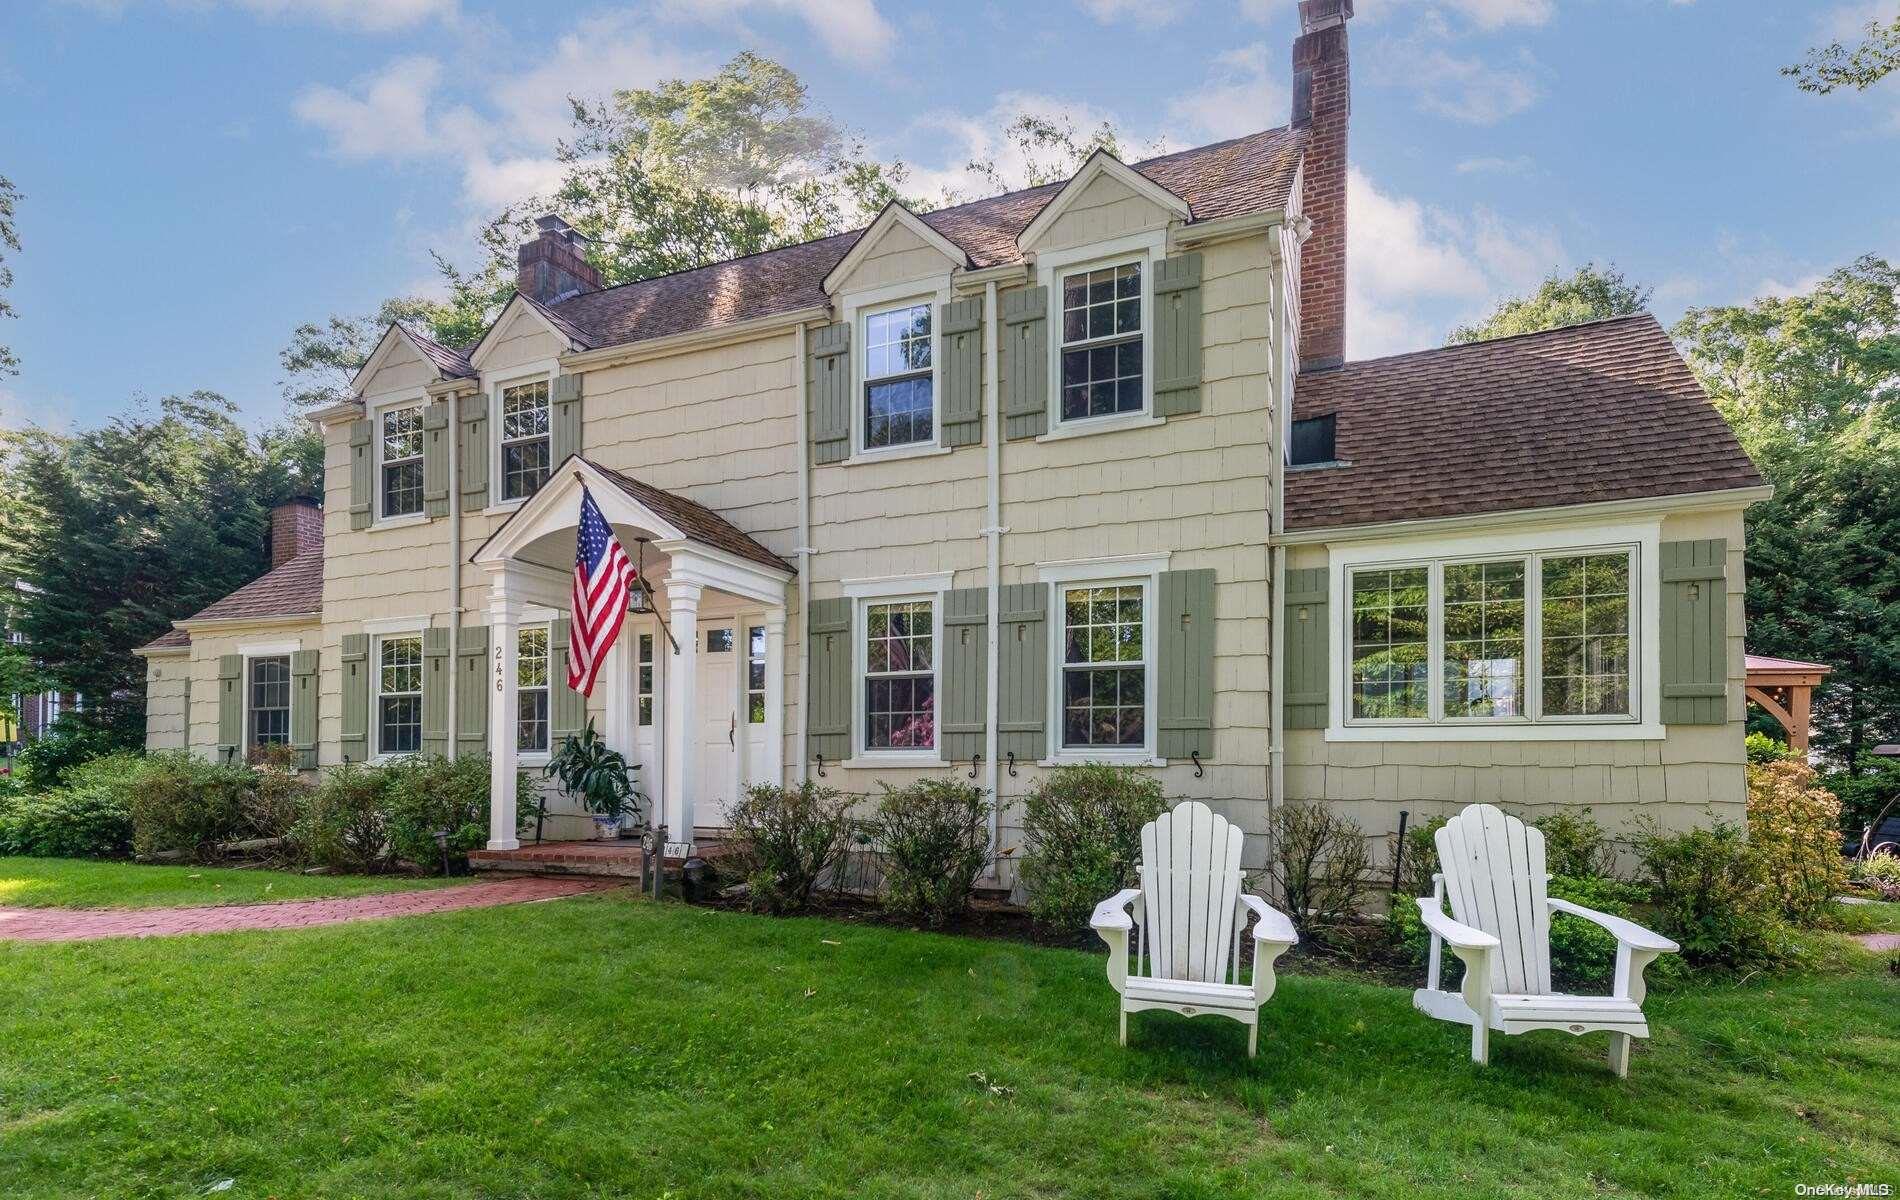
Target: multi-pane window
[1391,618]
[755,674]
[269,707]
[399,695]
[1484,639]
[525,440]
[900,682]
[1101,342]
[898,389]
[402,461]
[531,689]
[643,684]
[1104,667]
[1585,635]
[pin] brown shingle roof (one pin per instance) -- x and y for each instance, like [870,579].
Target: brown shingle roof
[292,590]
[452,363]
[695,520]
[1601,411]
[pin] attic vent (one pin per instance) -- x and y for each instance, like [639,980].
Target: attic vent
[1312,442]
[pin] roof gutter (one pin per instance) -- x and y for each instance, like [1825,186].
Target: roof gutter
[1473,522]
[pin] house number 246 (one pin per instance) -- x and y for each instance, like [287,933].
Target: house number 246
[498,670]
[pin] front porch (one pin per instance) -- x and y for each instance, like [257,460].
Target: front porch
[692,690]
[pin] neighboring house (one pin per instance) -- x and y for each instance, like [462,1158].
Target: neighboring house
[983,490]
[35,712]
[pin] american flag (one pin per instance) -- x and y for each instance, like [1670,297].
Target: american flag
[602,576]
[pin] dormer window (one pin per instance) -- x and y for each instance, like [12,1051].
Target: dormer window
[1311,442]
[1102,342]
[525,439]
[402,461]
[899,385]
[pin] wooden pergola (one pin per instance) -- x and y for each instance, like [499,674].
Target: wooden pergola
[1785,688]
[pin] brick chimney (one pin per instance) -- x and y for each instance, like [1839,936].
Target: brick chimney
[554,265]
[1322,103]
[296,527]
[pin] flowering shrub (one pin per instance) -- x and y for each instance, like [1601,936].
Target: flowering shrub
[1794,827]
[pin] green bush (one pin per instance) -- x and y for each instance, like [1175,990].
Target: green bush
[345,825]
[934,836]
[1794,828]
[1879,873]
[1763,749]
[1321,867]
[1082,832]
[423,795]
[45,761]
[1710,894]
[1420,861]
[788,839]
[185,805]
[74,822]
[1573,845]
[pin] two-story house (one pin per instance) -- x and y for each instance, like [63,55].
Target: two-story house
[1076,473]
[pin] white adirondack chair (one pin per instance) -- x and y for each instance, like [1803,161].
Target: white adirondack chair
[1499,927]
[1191,911]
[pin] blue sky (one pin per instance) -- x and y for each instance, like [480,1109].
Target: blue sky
[201,175]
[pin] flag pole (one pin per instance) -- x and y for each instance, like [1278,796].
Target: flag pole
[640,577]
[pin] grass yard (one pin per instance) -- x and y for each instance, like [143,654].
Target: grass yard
[84,883]
[610,1047]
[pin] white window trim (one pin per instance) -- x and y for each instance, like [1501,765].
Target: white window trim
[1645,537]
[377,753]
[1142,569]
[546,370]
[889,590]
[418,400]
[382,625]
[535,617]
[854,307]
[1144,248]
[285,650]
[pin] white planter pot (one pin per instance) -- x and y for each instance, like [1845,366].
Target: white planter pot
[606,828]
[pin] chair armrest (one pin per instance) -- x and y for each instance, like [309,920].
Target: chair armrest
[1112,913]
[1458,937]
[1627,932]
[1270,924]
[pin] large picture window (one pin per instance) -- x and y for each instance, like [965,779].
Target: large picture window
[1102,342]
[526,443]
[1508,640]
[1104,667]
[399,695]
[402,461]
[531,689]
[900,680]
[899,389]
[268,712]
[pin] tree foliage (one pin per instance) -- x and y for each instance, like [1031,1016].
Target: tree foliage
[1590,293]
[1811,385]
[9,241]
[1837,66]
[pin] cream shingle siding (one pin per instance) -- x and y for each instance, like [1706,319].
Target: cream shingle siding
[207,646]
[1106,208]
[165,701]
[900,256]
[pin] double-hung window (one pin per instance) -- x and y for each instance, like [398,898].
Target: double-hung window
[401,489]
[268,710]
[526,441]
[399,694]
[1104,666]
[900,677]
[1102,342]
[1510,639]
[531,689]
[899,383]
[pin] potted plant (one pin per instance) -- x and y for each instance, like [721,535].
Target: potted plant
[595,774]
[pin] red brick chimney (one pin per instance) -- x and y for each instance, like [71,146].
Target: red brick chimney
[296,527]
[554,265]
[1322,103]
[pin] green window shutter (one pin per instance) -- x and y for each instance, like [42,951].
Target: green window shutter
[1025,366]
[567,708]
[435,459]
[1184,661]
[960,337]
[303,707]
[362,474]
[356,676]
[1177,327]
[1695,632]
[1022,699]
[474,451]
[828,381]
[471,691]
[1307,642]
[565,439]
[435,691]
[964,664]
[230,708]
[829,725]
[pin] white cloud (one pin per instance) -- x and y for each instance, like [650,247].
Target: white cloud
[852,30]
[385,115]
[1782,289]
[1474,89]
[1242,95]
[964,137]
[1147,14]
[593,59]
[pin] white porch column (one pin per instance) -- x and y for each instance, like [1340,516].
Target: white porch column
[773,768]
[504,616]
[622,699]
[682,722]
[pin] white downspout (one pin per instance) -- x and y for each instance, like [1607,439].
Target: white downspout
[993,533]
[804,551]
[455,567]
[1276,523]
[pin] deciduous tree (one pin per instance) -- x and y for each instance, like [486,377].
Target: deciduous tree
[1589,293]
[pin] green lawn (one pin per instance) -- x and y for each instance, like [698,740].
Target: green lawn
[82,883]
[609,1047]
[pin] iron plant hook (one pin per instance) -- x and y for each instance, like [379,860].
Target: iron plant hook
[821,765]
[1199,770]
[976,760]
[1012,764]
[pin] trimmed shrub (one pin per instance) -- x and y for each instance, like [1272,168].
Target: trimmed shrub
[76,822]
[1711,896]
[424,795]
[184,805]
[1082,833]
[788,839]
[1794,827]
[345,825]
[1321,866]
[1574,846]
[934,836]
[45,761]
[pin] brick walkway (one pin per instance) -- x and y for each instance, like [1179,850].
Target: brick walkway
[1878,942]
[82,924]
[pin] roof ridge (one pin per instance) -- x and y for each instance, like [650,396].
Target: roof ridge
[1493,341]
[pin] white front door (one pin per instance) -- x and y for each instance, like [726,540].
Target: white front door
[717,743]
